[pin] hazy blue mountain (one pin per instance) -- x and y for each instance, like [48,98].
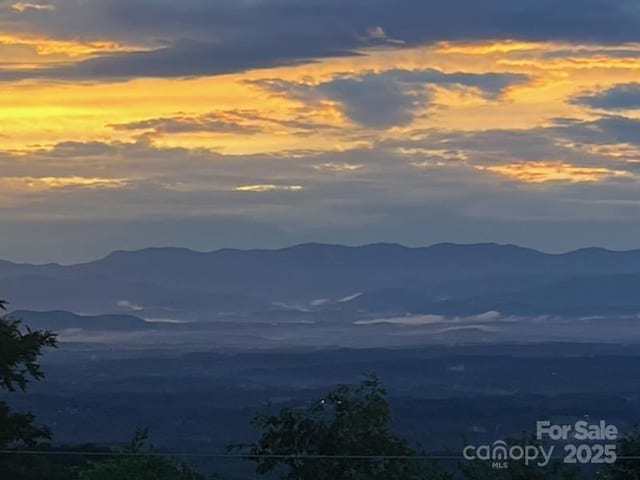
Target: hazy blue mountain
[583,295]
[310,271]
[58,320]
[101,294]
[578,296]
[451,278]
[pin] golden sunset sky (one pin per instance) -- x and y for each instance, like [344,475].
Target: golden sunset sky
[125,124]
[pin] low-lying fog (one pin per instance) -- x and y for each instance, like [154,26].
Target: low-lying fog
[490,327]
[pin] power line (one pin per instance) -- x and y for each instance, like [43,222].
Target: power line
[249,456]
[226,455]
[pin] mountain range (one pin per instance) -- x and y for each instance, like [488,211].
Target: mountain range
[377,279]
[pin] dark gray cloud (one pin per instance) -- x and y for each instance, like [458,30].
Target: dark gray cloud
[390,98]
[241,121]
[376,101]
[413,21]
[491,84]
[625,96]
[200,37]
[591,51]
[184,58]
[607,130]
[212,122]
[563,140]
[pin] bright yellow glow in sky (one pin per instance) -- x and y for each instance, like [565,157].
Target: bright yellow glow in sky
[39,184]
[45,112]
[48,49]
[40,113]
[542,172]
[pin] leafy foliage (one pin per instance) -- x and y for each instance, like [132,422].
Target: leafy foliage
[138,461]
[627,467]
[19,352]
[19,428]
[344,435]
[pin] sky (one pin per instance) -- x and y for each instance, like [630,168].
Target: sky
[266,123]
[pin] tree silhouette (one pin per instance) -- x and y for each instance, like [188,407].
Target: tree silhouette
[20,349]
[627,467]
[19,352]
[138,461]
[344,435]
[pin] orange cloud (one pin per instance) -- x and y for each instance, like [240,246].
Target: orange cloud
[507,46]
[25,6]
[47,46]
[542,172]
[40,112]
[36,184]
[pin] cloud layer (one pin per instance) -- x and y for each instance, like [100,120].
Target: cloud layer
[263,123]
[198,37]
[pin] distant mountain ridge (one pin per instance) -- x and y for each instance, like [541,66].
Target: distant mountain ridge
[195,285]
[60,320]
